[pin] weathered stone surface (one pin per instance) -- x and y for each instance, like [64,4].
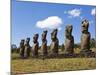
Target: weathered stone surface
[85,39]
[35,46]
[69,40]
[55,42]
[44,43]
[27,48]
[22,48]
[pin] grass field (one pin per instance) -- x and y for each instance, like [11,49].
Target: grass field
[33,65]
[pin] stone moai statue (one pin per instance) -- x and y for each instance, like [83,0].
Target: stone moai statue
[44,43]
[22,48]
[27,48]
[85,37]
[35,46]
[55,42]
[69,39]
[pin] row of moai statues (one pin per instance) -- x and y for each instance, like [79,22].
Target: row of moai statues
[54,47]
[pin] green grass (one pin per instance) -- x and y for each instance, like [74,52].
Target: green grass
[53,64]
[33,65]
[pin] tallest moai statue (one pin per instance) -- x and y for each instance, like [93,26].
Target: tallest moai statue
[85,38]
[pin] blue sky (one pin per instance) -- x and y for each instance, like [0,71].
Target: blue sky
[29,18]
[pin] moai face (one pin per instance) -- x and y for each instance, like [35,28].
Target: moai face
[54,34]
[44,35]
[35,38]
[85,25]
[68,31]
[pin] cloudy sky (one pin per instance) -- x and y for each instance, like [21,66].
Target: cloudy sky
[29,18]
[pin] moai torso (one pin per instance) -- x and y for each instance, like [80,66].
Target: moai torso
[22,48]
[85,38]
[85,41]
[69,40]
[27,48]
[44,43]
[35,46]
[55,42]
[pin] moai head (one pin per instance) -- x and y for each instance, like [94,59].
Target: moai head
[35,38]
[85,26]
[54,34]
[44,34]
[68,30]
[27,40]
[22,42]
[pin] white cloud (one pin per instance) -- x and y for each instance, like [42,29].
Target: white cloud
[74,12]
[93,11]
[50,22]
